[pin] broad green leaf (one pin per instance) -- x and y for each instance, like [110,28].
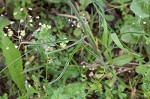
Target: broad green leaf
[19,13]
[109,17]
[115,38]
[122,60]
[137,7]
[147,40]
[142,69]
[77,32]
[85,3]
[128,38]
[131,34]
[3,22]
[14,62]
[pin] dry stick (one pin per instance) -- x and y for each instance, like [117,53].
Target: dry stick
[68,16]
[126,69]
[25,42]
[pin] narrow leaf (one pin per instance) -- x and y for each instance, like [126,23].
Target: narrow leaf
[115,38]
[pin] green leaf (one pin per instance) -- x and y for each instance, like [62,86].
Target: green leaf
[115,38]
[5,96]
[13,62]
[147,40]
[77,32]
[131,34]
[129,38]
[148,49]
[31,91]
[142,69]
[85,3]
[3,22]
[120,88]
[122,60]
[18,14]
[137,7]
[109,17]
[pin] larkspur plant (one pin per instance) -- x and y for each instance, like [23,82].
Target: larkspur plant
[98,49]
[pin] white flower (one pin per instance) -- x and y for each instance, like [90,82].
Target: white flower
[144,22]
[38,30]
[37,17]
[22,33]
[5,34]
[16,46]
[31,24]
[19,37]
[21,20]
[30,8]
[11,22]
[91,74]
[63,45]
[15,13]
[40,23]
[30,16]
[21,9]
[10,32]
[74,22]
[83,66]
[7,48]
[50,26]
[30,20]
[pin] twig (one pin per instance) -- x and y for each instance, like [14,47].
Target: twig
[126,69]
[68,16]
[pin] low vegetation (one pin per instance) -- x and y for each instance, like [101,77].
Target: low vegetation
[75,49]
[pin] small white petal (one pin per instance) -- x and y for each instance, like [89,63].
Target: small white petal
[30,8]
[40,23]
[37,17]
[11,22]
[16,46]
[21,20]
[15,13]
[19,37]
[21,9]
[31,24]
[30,16]
[91,74]
[7,48]
[5,34]
[30,20]
[144,22]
